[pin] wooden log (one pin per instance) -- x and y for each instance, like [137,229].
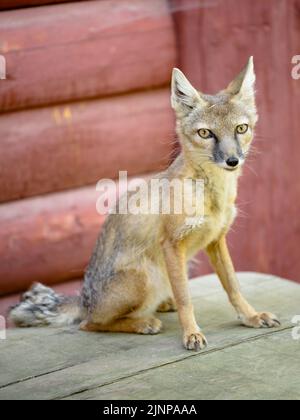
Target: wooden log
[63,147]
[12,4]
[81,50]
[48,239]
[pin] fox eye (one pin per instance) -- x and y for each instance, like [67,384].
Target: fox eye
[205,133]
[242,129]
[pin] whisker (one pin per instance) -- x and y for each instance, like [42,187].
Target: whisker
[252,170]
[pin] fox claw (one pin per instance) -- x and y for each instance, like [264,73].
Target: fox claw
[195,341]
[262,320]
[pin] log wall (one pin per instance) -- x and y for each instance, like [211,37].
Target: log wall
[86,95]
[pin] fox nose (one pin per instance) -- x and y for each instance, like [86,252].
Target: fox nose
[232,161]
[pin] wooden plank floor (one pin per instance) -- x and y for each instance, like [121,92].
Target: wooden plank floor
[239,363]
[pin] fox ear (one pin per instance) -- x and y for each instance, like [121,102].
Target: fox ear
[184,96]
[244,84]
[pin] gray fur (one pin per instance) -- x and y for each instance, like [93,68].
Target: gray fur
[41,306]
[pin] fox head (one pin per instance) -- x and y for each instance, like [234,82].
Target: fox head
[217,129]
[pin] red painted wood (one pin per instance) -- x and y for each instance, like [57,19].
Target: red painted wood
[215,41]
[11,4]
[62,147]
[84,50]
[48,239]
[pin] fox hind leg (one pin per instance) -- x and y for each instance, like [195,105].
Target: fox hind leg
[127,305]
[145,326]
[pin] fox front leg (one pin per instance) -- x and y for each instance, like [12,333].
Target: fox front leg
[174,254]
[221,261]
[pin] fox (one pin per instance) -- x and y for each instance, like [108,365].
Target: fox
[139,264]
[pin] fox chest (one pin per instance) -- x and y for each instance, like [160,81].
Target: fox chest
[218,214]
[211,228]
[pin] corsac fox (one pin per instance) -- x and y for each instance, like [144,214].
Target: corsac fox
[139,266]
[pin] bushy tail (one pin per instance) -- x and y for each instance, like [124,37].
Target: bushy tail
[41,306]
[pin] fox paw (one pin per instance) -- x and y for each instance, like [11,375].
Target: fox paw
[150,327]
[262,320]
[196,341]
[168,305]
